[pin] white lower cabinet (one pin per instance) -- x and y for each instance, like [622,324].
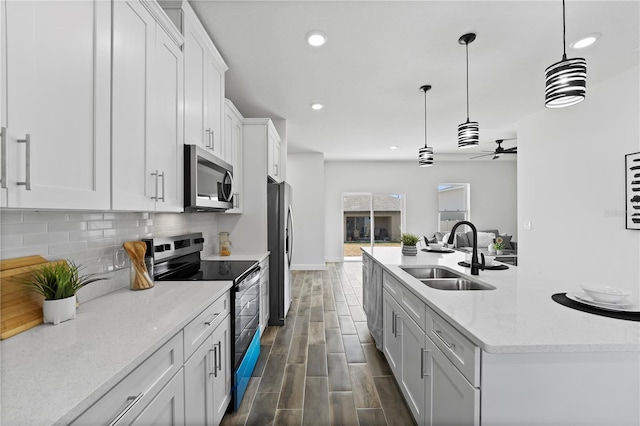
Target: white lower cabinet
[436,368]
[166,390]
[391,342]
[264,294]
[207,379]
[167,408]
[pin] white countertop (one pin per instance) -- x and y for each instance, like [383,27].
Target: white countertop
[519,316]
[51,374]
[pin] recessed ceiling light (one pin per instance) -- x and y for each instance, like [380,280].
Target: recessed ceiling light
[585,41]
[317,106]
[316,38]
[393,147]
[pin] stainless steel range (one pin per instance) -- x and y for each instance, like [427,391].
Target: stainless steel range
[178,259]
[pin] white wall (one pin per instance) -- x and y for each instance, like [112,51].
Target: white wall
[493,193]
[571,187]
[305,173]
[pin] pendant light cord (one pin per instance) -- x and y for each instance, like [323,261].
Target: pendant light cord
[425,118]
[467,49]
[564,35]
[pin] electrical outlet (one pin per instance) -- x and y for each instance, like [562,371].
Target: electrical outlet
[119,258]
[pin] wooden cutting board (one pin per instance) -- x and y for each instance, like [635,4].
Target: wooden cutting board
[20,309]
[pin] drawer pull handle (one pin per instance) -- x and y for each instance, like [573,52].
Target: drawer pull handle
[133,400]
[212,319]
[395,333]
[438,334]
[423,358]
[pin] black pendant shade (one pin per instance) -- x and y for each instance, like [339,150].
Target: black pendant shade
[469,131]
[425,155]
[565,81]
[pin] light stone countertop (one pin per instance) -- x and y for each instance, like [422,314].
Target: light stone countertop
[51,374]
[519,316]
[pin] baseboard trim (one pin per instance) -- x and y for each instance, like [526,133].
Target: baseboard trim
[334,259]
[309,267]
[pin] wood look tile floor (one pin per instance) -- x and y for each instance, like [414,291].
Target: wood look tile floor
[322,366]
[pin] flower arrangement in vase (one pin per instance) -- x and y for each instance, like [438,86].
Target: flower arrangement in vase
[409,242]
[498,245]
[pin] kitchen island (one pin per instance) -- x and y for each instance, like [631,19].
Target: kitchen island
[517,356]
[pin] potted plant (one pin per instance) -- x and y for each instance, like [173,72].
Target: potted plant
[409,242]
[58,284]
[498,245]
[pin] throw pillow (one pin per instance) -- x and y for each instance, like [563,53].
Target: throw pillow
[439,236]
[506,240]
[485,238]
[462,240]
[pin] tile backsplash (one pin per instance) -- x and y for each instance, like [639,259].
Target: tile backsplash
[91,239]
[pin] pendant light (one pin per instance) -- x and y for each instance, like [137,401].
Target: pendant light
[565,81]
[425,155]
[469,131]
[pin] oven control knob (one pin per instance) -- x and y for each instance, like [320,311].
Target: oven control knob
[167,246]
[198,240]
[159,248]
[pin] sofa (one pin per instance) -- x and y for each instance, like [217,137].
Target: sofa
[463,241]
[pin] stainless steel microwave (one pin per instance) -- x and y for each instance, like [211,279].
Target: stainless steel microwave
[208,181]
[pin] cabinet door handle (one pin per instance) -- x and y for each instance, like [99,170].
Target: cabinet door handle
[395,334]
[423,358]
[207,139]
[133,400]
[438,334]
[214,369]
[161,175]
[212,319]
[219,364]
[275,169]
[393,323]
[213,140]
[3,154]
[156,181]
[27,181]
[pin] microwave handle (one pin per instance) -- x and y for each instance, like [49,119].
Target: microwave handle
[228,177]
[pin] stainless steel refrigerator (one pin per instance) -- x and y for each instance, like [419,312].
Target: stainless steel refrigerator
[280,238]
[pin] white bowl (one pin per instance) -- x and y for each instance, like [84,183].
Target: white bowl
[605,293]
[436,246]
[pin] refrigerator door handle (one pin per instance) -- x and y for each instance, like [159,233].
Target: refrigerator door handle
[289,236]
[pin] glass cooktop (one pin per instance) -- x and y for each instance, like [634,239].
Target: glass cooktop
[212,270]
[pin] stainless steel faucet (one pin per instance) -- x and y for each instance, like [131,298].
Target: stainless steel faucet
[475,265]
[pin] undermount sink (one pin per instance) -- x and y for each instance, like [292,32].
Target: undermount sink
[430,272]
[444,279]
[456,284]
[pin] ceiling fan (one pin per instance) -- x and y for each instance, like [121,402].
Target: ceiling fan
[499,150]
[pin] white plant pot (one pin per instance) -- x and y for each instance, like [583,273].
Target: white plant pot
[60,310]
[409,250]
[499,252]
[491,249]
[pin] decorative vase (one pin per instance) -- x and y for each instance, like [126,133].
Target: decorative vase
[409,250]
[492,249]
[59,310]
[499,252]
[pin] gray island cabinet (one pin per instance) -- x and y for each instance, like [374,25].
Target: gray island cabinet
[508,356]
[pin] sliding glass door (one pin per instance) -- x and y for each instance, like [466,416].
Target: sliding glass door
[370,219]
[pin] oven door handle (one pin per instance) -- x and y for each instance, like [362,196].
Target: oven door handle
[248,283]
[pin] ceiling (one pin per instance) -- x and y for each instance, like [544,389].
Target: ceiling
[379,53]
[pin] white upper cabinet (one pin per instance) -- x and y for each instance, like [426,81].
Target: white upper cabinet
[55,104]
[233,145]
[204,71]
[273,157]
[147,117]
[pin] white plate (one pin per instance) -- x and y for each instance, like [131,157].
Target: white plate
[630,306]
